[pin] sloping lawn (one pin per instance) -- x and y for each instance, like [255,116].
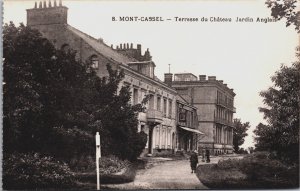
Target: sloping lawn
[255,171]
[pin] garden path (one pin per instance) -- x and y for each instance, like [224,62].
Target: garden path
[175,174]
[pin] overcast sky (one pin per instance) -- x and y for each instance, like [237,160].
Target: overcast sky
[243,55]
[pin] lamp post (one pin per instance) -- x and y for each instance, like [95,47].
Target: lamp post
[98,156]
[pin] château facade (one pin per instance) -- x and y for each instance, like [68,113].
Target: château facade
[171,121]
[214,102]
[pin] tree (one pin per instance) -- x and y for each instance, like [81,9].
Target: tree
[54,104]
[251,150]
[118,117]
[45,92]
[239,133]
[281,134]
[285,9]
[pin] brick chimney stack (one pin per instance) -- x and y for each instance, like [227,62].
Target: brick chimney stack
[47,15]
[168,79]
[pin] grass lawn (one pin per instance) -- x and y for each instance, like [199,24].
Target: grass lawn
[252,172]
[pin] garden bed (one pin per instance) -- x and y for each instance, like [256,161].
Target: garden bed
[88,180]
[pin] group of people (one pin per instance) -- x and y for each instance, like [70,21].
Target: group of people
[194,159]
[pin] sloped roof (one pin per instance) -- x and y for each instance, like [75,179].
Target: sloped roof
[101,47]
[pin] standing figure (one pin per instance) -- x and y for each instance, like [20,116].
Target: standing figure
[194,160]
[207,156]
[203,155]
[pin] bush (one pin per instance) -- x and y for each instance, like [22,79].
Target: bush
[112,164]
[33,171]
[253,171]
[126,172]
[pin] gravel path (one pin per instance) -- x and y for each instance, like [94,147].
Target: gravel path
[165,175]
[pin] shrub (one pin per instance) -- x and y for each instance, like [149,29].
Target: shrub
[257,170]
[112,164]
[260,167]
[33,171]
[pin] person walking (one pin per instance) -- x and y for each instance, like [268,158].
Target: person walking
[203,155]
[207,156]
[194,161]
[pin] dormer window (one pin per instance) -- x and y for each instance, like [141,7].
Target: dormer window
[95,61]
[65,48]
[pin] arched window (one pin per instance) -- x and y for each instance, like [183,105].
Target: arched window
[95,61]
[65,48]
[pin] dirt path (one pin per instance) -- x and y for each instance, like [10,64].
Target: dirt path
[166,175]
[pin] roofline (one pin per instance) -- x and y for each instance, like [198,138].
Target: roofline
[148,78]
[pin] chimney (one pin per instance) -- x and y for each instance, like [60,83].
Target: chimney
[55,3]
[112,46]
[60,3]
[131,46]
[117,47]
[50,5]
[168,79]
[139,48]
[47,15]
[202,77]
[127,45]
[211,78]
[35,5]
[121,46]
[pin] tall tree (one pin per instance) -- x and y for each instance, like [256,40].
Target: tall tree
[239,133]
[45,91]
[282,100]
[285,9]
[54,104]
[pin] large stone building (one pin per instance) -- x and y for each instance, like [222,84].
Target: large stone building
[168,129]
[214,103]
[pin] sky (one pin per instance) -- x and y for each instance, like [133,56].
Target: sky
[242,54]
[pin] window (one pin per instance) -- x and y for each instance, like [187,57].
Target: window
[135,96]
[182,115]
[165,107]
[95,61]
[170,108]
[158,103]
[65,48]
[157,137]
[151,101]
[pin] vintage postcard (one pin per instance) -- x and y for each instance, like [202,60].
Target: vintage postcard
[152,94]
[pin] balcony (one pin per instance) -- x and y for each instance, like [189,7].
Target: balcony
[154,116]
[222,103]
[224,122]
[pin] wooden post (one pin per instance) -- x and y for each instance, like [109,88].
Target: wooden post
[98,156]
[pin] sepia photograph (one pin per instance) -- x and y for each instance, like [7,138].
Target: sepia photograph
[153,94]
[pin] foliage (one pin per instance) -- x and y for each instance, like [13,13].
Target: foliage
[54,104]
[34,171]
[285,9]
[242,151]
[251,149]
[281,134]
[118,118]
[45,96]
[256,170]
[112,164]
[239,133]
